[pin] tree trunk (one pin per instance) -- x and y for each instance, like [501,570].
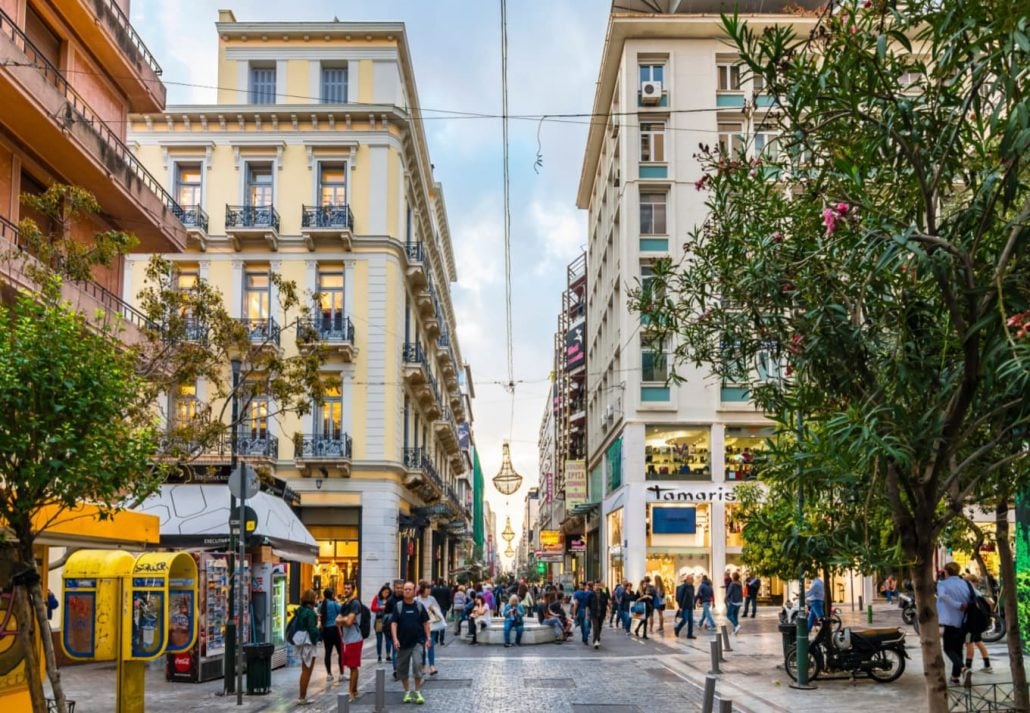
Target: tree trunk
[1007,575]
[26,637]
[53,673]
[924,581]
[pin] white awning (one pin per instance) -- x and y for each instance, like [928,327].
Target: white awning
[197,516]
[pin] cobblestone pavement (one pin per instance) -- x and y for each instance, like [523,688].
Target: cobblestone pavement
[626,675]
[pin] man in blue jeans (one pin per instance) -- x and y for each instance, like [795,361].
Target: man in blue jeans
[583,601]
[815,597]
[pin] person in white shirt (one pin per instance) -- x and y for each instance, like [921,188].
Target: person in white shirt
[952,600]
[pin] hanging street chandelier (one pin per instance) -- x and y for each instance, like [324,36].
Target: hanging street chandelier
[507,481]
[507,533]
[509,552]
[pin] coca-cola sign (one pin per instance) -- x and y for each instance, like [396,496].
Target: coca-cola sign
[183,662]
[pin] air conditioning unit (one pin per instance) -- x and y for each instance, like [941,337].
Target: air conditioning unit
[609,413]
[650,92]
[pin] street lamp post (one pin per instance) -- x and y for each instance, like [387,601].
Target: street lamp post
[802,621]
[231,660]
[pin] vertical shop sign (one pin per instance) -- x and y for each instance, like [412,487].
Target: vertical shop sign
[1023,565]
[575,483]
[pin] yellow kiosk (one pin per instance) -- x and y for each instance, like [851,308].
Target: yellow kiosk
[130,610]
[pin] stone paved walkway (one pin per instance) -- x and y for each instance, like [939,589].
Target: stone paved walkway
[627,675]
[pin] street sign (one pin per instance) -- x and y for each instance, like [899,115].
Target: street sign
[251,520]
[244,477]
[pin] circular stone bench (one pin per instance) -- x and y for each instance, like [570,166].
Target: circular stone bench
[533,632]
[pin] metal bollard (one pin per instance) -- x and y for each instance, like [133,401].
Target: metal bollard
[861,606]
[342,703]
[722,657]
[380,706]
[869,615]
[725,706]
[714,646]
[726,638]
[709,695]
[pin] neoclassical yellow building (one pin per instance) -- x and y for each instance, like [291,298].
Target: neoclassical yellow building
[314,165]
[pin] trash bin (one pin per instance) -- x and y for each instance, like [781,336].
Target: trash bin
[789,635]
[259,668]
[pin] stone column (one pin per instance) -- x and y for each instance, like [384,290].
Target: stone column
[717,512]
[380,558]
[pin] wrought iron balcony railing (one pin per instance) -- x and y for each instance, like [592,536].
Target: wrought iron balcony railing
[415,354]
[192,216]
[327,216]
[252,216]
[261,331]
[415,252]
[78,110]
[323,447]
[332,328]
[250,443]
[418,459]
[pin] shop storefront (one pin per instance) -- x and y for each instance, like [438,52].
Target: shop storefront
[743,447]
[677,453]
[614,548]
[678,540]
[337,531]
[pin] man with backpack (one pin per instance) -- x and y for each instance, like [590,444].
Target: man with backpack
[978,620]
[409,627]
[599,611]
[351,624]
[954,599]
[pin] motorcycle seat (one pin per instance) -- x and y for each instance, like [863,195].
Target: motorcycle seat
[875,637]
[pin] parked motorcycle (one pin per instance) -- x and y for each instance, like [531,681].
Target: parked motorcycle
[878,653]
[789,614]
[908,610]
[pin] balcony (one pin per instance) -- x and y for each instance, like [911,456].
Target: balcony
[264,332]
[416,367]
[252,223]
[425,300]
[107,32]
[421,475]
[330,226]
[42,110]
[334,332]
[251,446]
[329,452]
[416,270]
[446,431]
[101,307]
[196,222]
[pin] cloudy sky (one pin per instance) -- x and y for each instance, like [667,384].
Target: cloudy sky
[554,47]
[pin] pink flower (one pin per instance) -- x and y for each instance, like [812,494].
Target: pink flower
[830,220]
[777,237]
[853,29]
[842,208]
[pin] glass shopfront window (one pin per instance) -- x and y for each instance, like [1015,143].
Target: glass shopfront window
[337,557]
[677,453]
[678,541]
[615,551]
[734,527]
[744,447]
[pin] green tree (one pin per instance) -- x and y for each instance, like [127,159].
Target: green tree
[874,255]
[82,408]
[76,426]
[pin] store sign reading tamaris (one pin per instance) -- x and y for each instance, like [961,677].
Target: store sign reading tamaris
[155,592]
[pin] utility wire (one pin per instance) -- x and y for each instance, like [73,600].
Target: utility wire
[507,212]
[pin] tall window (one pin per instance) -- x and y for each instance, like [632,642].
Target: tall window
[259,184]
[42,36]
[255,421]
[262,84]
[334,84]
[652,141]
[729,77]
[332,184]
[652,213]
[188,184]
[731,138]
[766,145]
[652,72]
[186,279]
[654,362]
[330,416]
[330,297]
[184,405]
[256,295]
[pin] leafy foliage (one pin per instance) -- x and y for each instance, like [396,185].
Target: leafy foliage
[870,270]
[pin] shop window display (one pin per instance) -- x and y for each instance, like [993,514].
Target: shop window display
[745,446]
[678,541]
[672,453]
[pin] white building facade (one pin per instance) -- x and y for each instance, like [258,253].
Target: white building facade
[670,456]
